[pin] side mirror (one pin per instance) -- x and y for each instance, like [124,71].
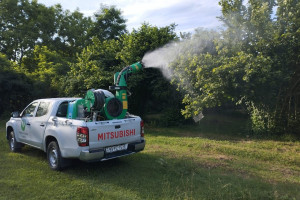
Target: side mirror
[15,114]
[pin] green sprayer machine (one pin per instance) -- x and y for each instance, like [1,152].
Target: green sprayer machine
[99,104]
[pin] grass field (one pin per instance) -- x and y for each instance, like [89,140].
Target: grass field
[210,161]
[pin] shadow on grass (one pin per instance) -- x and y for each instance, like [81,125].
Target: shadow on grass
[33,152]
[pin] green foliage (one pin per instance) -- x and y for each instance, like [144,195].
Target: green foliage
[72,32]
[94,68]
[23,24]
[15,88]
[253,62]
[192,72]
[109,24]
[47,67]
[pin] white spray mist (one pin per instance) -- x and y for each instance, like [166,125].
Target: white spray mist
[161,58]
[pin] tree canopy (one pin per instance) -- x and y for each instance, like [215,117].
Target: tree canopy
[254,62]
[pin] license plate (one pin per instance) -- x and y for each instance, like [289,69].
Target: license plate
[116,148]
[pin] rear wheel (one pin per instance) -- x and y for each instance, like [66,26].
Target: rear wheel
[13,144]
[55,160]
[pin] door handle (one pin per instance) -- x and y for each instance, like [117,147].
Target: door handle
[68,123]
[42,125]
[28,124]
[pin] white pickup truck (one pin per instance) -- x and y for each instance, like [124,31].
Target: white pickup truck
[44,124]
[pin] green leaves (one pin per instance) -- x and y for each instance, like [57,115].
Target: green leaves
[23,24]
[15,88]
[109,24]
[254,62]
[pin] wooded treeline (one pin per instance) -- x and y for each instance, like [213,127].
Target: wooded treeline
[253,63]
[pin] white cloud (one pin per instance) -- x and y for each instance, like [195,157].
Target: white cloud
[188,14]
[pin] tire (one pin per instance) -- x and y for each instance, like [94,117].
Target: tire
[13,144]
[55,160]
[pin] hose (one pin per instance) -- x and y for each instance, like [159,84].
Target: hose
[120,74]
[99,100]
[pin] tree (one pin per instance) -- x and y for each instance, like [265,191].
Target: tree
[94,68]
[254,63]
[109,24]
[16,89]
[286,51]
[47,68]
[72,32]
[23,24]
[192,73]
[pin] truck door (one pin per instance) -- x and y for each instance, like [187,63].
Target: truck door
[24,124]
[39,122]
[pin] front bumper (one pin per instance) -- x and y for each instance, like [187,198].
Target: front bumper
[101,155]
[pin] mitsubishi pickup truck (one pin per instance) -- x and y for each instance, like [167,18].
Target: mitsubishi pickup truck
[49,125]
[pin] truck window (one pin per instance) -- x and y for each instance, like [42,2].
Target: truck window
[42,109]
[62,109]
[29,111]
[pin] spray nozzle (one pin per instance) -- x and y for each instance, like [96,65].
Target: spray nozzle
[143,65]
[136,66]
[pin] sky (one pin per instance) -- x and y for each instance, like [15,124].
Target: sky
[187,14]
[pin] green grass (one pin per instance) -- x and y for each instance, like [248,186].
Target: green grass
[209,161]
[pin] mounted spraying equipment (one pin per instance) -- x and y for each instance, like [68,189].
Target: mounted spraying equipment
[120,81]
[101,104]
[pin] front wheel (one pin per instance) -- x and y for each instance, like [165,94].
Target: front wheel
[55,160]
[13,144]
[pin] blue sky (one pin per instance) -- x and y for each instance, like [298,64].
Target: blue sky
[188,14]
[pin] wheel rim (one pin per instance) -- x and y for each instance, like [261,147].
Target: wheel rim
[53,157]
[12,143]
